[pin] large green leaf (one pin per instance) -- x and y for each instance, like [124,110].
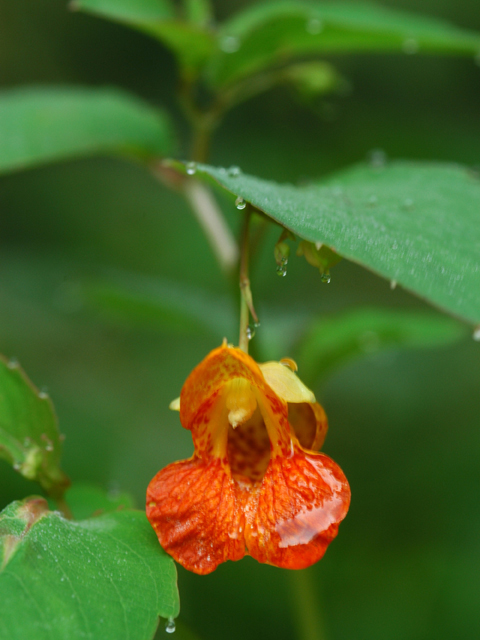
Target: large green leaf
[40,125]
[414,223]
[275,32]
[106,577]
[334,341]
[191,41]
[87,500]
[29,436]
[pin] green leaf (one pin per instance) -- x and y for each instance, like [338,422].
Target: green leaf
[276,32]
[198,11]
[416,224]
[138,300]
[106,577]
[337,340]
[87,500]
[191,42]
[43,125]
[29,435]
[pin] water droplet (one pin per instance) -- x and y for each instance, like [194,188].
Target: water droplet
[476,333]
[43,394]
[282,270]
[250,331]
[240,203]
[377,158]
[49,446]
[170,625]
[410,46]
[17,466]
[326,277]
[476,59]
[230,44]
[191,168]
[393,284]
[13,363]
[234,172]
[314,26]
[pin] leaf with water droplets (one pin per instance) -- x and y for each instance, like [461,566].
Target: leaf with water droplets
[430,247]
[105,577]
[272,33]
[39,125]
[335,341]
[29,437]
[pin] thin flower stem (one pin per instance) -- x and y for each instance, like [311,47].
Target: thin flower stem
[246,301]
[307,608]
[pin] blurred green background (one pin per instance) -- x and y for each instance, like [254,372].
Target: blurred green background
[404,425]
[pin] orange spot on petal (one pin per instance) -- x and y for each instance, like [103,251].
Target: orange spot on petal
[295,513]
[197,514]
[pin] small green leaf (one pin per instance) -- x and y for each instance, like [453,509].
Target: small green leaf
[191,42]
[274,33]
[137,300]
[335,341]
[106,577]
[411,222]
[44,125]
[87,500]
[29,436]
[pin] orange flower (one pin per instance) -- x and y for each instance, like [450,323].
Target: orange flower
[255,484]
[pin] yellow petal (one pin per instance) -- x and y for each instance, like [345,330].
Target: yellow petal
[175,405]
[285,383]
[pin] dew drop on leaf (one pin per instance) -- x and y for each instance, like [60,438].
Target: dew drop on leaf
[234,172]
[191,168]
[314,26]
[230,44]
[326,277]
[170,625]
[240,203]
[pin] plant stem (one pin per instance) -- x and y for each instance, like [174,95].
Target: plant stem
[307,609]
[246,301]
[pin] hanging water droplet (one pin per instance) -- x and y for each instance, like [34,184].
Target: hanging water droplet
[13,363]
[230,44]
[476,333]
[326,277]
[250,331]
[410,46]
[314,26]
[234,172]
[378,158]
[282,267]
[170,625]
[240,203]
[191,168]
[393,284]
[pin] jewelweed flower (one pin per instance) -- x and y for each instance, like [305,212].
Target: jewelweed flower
[255,484]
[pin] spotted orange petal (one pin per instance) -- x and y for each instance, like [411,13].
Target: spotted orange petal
[296,511]
[195,508]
